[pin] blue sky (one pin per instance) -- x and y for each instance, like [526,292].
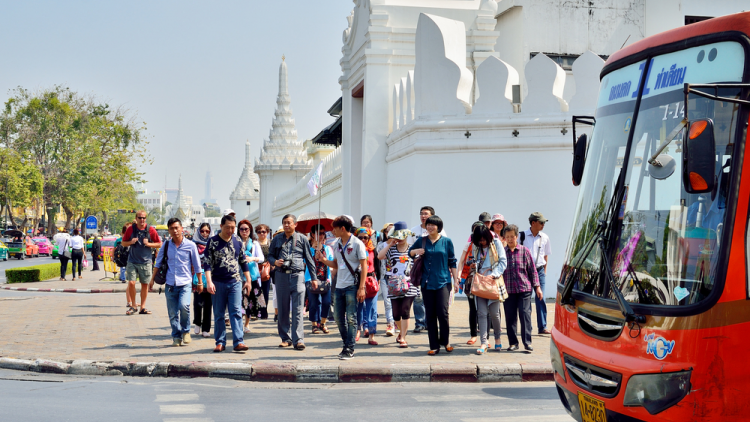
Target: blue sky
[202,75]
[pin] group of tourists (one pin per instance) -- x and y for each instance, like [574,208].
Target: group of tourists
[418,270]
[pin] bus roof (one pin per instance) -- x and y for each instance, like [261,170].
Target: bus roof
[736,22]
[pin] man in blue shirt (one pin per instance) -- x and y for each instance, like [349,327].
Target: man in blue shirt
[182,261]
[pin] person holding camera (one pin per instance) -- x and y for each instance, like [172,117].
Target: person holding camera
[291,256]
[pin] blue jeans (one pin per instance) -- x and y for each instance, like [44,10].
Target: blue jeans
[320,304]
[541,306]
[228,295]
[386,301]
[345,308]
[367,315]
[419,313]
[178,308]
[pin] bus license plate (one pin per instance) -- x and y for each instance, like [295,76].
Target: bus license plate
[592,410]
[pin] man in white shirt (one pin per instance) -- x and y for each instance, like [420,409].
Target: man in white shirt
[539,245]
[419,232]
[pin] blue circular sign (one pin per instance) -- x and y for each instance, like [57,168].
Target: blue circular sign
[91,222]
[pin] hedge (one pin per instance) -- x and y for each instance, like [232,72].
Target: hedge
[35,273]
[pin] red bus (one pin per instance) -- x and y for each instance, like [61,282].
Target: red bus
[652,316]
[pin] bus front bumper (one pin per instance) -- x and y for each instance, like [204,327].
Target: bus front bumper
[570,402]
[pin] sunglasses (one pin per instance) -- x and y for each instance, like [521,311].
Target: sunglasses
[245,229]
[141,218]
[205,231]
[363,237]
[261,232]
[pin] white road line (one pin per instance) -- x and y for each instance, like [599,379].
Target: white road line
[181,409]
[450,398]
[539,418]
[175,397]
[188,420]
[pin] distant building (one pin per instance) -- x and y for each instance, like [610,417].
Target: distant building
[246,195]
[184,210]
[152,200]
[208,196]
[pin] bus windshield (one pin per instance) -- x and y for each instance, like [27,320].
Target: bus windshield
[668,242]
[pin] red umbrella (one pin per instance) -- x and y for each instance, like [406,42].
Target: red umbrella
[307,220]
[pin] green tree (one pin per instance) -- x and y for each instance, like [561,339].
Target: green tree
[86,152]
[20,181]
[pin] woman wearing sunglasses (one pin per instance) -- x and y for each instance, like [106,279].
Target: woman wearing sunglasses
[250,297]
[367,311]
[263,232]
[320,298]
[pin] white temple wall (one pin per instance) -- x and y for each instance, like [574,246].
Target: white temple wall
[492,172]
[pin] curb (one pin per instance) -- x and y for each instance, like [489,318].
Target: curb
[289,372]
[36,289]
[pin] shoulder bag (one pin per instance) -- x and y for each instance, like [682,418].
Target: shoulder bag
[161,276]
[323,285]
[65,252]
[417,268]
[485,286]
[253,266]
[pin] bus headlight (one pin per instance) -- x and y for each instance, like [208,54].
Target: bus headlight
[657,392]
[556,358]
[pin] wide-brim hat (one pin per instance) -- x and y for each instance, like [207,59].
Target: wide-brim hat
[400,231]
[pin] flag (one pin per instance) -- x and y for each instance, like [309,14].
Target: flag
[315,180]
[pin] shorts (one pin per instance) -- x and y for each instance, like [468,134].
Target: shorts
[401,307]
[140,272]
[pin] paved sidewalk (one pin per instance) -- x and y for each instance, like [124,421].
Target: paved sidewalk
[90,283]
[95,327]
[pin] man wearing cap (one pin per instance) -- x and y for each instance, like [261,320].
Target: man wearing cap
[539,245]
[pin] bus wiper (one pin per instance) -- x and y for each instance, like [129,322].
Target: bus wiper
[627,311]
[570,280]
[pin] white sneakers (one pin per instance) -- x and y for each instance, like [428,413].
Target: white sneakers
[205,334]
[197,329]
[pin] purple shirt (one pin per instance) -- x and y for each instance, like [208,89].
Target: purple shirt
[520,275]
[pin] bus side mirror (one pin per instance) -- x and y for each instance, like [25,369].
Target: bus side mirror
[579,158]
[699,157]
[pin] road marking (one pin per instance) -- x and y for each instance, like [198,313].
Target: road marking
[538,418]
[188,420]
[182,409]
[449,398]
[176,397]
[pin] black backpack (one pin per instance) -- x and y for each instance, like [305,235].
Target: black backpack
[121,255]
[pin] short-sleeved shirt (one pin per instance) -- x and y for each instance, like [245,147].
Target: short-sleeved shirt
[354,251]
[538,245]
[225,260]
[399,265]
[140,253]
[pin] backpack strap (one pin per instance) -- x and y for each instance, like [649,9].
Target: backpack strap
[522,237]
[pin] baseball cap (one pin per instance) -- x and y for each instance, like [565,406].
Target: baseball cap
[485,217]
[229,211]
[537,216]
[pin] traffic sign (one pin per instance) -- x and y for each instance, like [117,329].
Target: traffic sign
[91,224]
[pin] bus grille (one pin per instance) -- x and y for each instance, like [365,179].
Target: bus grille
[600,327]
[591,378]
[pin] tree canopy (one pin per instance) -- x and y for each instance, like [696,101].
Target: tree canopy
[85,152]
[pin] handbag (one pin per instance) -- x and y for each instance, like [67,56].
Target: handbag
[398,285]
[486,287]
[85,262]
[65,252]
[372,287]
[417,268]
[265,271]
[253,266]
[161,276]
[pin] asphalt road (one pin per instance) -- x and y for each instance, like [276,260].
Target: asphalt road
[28,262]
[39,397]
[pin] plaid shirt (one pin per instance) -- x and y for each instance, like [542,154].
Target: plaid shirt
[520,275]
